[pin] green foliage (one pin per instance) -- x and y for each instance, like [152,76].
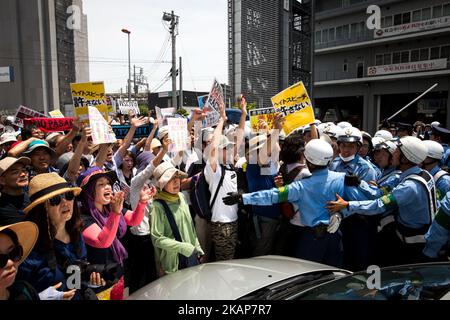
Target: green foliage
[143,109]
[183,112]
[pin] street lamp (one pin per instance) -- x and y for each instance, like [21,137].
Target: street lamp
[129,64]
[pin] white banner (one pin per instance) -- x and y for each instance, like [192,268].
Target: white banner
[412,27]
[23,113]
[101,132]
[163,113]
[126,106]
[177,133]
[407,67]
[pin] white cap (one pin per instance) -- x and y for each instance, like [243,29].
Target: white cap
[344,124]
[386,135]
[7,137]
[318,152]
[436,123]
[377,140]
[390,146]
[413,149]
[350,134]
[435,149]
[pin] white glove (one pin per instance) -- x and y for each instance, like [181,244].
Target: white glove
[335,221]
[51,294]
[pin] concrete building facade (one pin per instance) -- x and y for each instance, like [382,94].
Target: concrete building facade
[39,48]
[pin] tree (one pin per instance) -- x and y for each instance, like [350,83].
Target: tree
[143,109]
[183,112]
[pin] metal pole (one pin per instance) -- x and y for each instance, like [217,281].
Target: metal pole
[311,93]
[129,69]
[134,80]
[174,62]
[181,85]
[428,90]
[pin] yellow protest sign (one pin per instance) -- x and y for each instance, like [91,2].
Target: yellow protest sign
[265,114]
[89,94]
[56,114]
[295,105]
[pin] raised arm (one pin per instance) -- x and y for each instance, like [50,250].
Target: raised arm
[62,146]
[21,147]
[74,163]
[135,123]
[213,156]
[148,142]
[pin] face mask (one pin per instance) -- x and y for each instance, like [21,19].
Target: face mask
[348,159]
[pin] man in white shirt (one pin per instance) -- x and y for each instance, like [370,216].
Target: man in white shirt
[224,218]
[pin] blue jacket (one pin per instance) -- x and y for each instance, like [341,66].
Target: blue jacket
[439,233]
[358,166]
[309,194]
[443,183]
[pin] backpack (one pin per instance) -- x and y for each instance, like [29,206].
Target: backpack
[200,196]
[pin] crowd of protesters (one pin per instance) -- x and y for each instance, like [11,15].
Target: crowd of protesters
[127,213]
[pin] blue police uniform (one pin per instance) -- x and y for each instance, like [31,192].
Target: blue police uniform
[438,236]
[310,194]
[442,182]
[358,232]
[414,209]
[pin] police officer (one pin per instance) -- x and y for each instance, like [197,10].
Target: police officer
[431,164]
[438,236]
[414,200]
[358,231]
[314,242]
[442,136]
[404,129]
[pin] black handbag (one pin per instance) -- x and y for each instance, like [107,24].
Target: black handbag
[183,262]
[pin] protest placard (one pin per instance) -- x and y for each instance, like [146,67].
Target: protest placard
[99,127]
[213,104]
[23,113]
[126,106]
[295,105]
[111,103]
[56,114]
[51,124]
[141,132]
[89,94]
[266,114]
[177,133]
[201,100]
[163,113]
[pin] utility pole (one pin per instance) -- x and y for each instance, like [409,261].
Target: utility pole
[173,19]
[181,84]
[129,63]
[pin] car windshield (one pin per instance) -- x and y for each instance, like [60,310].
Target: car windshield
[425,282]
[286,288]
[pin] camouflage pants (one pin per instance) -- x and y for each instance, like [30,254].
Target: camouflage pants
[224,238]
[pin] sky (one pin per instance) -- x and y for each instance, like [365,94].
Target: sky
[201,42]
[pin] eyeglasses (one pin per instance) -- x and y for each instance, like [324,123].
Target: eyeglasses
[15,255]
[56,200]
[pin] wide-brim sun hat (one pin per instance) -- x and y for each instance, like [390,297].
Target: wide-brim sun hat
[92,174]
[39,144]
[8,162]
[27,233]
[165,172]
[45,186]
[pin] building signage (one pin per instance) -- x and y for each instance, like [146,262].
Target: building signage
[407,67]
[412,27]
[6,74]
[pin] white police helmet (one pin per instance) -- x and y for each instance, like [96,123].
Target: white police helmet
[413,149]
[333,131]
[318,152]
[435,149]
[377,140]
[386,135]
[344,124]
[390,146]
[350,134]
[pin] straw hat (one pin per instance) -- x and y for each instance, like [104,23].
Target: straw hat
[164,172]
[155,144]
[47,185]
[27,234]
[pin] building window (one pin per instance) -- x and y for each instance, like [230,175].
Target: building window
[388,21]
[339,33]
[406,17]
[426,13]
[417,15]
[362,27]
[345,31]
[379,60]
[445,52]
[405,56]
[424,54]
[437,11]
[446,10]
[354,30]
[387,58]
[434,53]
[318,36]
[415,55]
[345,67]
[397,19]
[396,57]
[382,23]
[325,36]
[331,34]
[360,69]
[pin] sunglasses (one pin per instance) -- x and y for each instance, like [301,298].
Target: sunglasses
[56,200]
[15,255]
